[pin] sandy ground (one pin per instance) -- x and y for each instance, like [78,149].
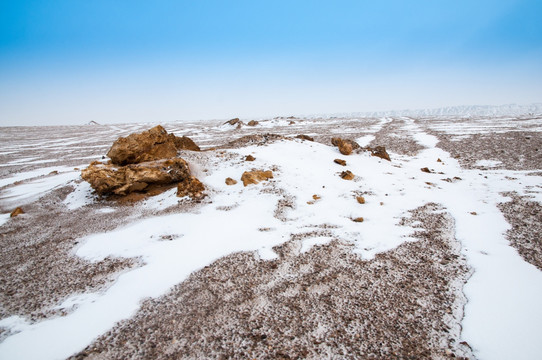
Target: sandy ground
[323,303]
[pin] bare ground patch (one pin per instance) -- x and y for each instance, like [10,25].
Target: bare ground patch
[324,303]
[525,218]
[396,139]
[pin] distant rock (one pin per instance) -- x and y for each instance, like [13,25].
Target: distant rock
[255,176]
[108,179]
[18,211]
[304,137]
[92,122]
[426,169]
[379,151]
[192,187]
[346,146]
[360,199]
[153,144]
[256,139]
[234,121]
[340,162]
[347,175]
[252,123]
[230,181]
[250,158]
[358,219]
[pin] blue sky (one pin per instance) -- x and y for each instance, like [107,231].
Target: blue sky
[73,61]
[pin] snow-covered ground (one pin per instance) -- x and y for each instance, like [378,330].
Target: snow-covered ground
[502,316]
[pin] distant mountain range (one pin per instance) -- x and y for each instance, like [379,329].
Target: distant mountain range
[465,110]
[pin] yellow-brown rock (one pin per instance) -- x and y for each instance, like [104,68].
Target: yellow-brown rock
[252,123]
[230,181]
[250,158]
[255,176]
[359,219]
[340,162]
[360,199]
[121,180]
[347,175]
[184,143]
[192,187]
[18,211]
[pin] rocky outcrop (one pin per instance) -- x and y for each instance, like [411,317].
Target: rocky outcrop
[145,163]
[107,179]
[153,144]
[255,176]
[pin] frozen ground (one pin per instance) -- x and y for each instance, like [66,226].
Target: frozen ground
[445,263]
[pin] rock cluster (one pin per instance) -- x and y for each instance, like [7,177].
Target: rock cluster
[142,161]
[345,146]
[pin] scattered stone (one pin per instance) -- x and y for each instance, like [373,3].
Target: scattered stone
[438,160]
[304,137]
[250,158]
[345,146]
[358,219]
[426,170]
[55,172]
[360,199]
[233,121]
[252,123]
[110,179]
[473,213]
[340,162]
[255,176]
[230,181]
[291,123]
[18,211]
[381,203]
[347,175]
[379,151]
[255,139]
[316,197]
[192,187]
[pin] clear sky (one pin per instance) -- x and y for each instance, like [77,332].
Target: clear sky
[72,61]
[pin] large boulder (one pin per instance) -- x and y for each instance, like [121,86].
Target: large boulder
[153,144]
[108,179]
[346,146]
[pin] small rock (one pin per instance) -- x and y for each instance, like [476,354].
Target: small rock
[230,181]
[304,137]
[16,212]
[255,176]
[252,123]
[232,121]
[53,172]
[438,160]
[425,169]
[192,187]
[347,175]
[291,123]
[474,213]
[360,199]
[316,197]
[340,162]
[380,151]
[358,219]
[250,158]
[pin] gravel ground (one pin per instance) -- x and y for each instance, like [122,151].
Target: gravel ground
[327,302]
